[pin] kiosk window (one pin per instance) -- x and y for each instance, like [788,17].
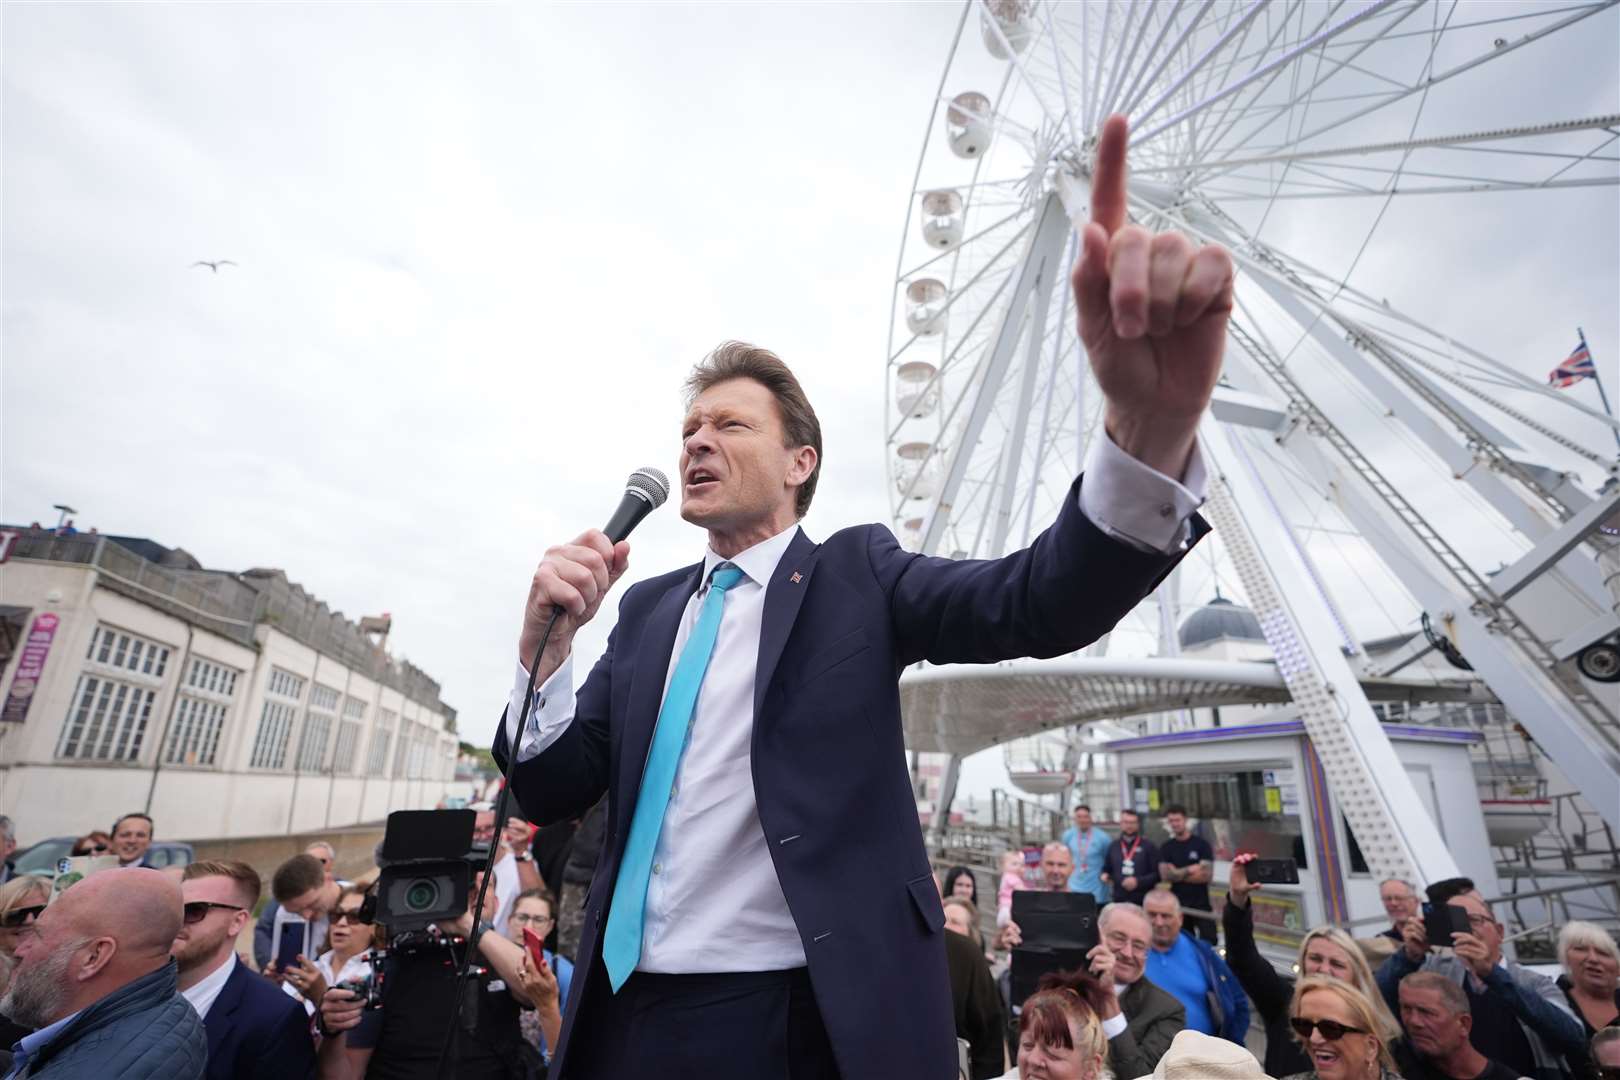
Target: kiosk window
[1234,811]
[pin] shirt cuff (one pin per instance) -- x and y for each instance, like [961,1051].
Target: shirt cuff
[549,716]
[1137,504]
[1115,1026]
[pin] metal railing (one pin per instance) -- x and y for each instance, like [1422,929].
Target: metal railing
[234,605]
[1030,823]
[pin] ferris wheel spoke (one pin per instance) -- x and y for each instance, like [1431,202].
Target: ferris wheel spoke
[1461,351]
[1171,51]
[1283,60]
[1496,53]
[1433,189]
[1298,107]
[1118,74]
[1219,124]
[1096,76]
[1054,118]
[1254,9]
[1461,140]
[1588,156]
[1219,70]
[1539,13]
[1069,113]
[1165,25]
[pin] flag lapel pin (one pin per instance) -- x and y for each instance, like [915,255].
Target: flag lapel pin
[796,578]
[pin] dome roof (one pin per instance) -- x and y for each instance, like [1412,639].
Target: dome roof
[1220,618]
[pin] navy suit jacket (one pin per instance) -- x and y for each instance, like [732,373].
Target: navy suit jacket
[256,1030]
[842,619]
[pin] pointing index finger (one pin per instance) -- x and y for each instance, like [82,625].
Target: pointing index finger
[1108,179]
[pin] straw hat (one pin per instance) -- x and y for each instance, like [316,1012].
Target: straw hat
[1196,1056]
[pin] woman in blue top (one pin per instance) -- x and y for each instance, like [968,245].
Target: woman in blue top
[537,910]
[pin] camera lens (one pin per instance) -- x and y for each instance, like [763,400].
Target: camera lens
[421,895]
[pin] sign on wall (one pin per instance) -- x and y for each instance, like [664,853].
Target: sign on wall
[30,667]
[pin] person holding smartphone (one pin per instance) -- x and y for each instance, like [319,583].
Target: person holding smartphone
[1520,1017]
[1326,950]
[546,978]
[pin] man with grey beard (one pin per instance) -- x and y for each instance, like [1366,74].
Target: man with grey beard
[95,982]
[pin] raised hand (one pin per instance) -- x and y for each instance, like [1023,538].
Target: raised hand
[575,576]
[1153,312]
[1238,886]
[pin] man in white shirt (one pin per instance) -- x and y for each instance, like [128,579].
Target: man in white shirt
[515,871]
[254,1030]
[763,905]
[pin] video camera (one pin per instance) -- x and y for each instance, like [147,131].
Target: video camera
[428,860]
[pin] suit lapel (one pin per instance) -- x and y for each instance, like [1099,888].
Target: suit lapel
[783,599]
[218,1023]
[653,658]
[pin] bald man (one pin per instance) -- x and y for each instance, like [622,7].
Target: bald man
[95,982]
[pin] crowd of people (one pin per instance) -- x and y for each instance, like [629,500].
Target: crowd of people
[154,973]
[1157,998]
[210,970]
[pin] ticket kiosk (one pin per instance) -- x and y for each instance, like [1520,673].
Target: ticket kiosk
[1260,787]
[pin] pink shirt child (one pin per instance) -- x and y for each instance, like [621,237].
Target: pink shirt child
[1012,879]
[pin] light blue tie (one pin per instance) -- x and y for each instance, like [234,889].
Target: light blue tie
[621,944]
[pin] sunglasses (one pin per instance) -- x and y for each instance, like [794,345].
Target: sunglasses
[346,915]
[197,910]
[1331,1030]
[22,916]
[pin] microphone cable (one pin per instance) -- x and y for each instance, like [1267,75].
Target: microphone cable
[494,847]
[644,492]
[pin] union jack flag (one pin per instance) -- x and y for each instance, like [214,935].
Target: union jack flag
[1578,366]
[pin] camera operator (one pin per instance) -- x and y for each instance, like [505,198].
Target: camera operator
[402,1039]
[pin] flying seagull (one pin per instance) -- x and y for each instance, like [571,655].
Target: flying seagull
[214,266]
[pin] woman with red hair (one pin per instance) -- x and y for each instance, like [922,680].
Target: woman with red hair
[1060,1034]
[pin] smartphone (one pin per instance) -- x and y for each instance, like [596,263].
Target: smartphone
[290,944]
[1272,871]
[536,947]
[1442,921]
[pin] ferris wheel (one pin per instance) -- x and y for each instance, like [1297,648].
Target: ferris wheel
[1304,136]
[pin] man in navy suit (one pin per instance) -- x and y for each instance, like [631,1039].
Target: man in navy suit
[254,1029]
[763,905]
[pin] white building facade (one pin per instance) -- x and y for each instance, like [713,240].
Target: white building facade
[223,705]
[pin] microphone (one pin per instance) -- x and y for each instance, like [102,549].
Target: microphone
[644,492]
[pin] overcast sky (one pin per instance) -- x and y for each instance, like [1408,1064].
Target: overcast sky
[479,247]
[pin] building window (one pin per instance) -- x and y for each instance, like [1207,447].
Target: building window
[116,649]
[381,736]
[199,713]
[283,692]
[402,750]
[107,720]
[312,740]
[343,754]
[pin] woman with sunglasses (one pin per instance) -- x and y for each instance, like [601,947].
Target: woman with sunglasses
[93,843]
[348,959]
[1326,950]
[1341,1031]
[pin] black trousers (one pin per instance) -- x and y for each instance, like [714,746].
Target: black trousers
[727,1026]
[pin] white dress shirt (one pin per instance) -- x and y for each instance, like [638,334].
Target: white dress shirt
[205,992]
[713,901]
[507,885]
